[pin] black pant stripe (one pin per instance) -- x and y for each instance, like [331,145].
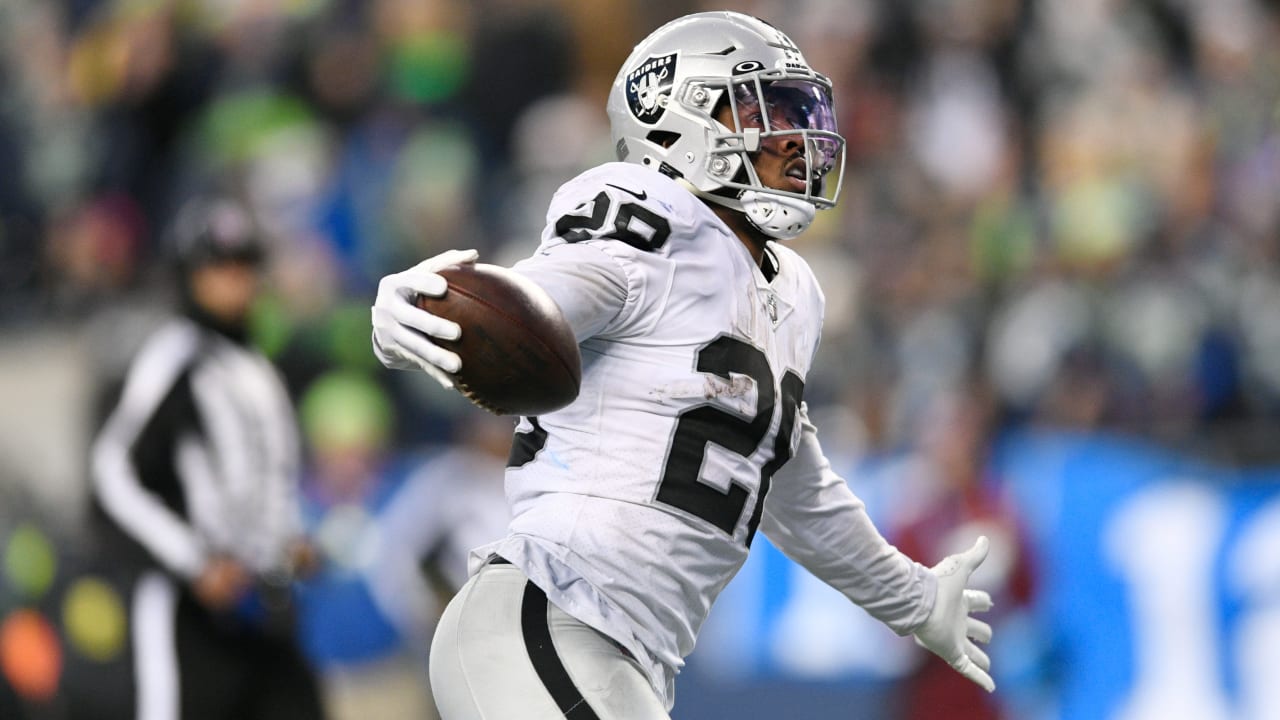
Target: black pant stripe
[550,669]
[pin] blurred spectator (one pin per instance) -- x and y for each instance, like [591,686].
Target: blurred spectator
[352,480]
[952,497]
[394,533]
[195,475]
[1126,150]
[454,502]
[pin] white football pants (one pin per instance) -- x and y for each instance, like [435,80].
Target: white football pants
[502,652]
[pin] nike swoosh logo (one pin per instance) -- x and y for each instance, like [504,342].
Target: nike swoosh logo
[642,195]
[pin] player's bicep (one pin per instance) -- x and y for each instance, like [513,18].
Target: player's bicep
[588,285]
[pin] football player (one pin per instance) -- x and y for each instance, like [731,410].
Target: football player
[636,504]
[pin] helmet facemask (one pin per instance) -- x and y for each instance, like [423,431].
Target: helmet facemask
[789,118]
[780,116]
[713,98]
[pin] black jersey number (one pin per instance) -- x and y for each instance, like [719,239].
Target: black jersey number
[680,486]
[633,224]
[526,445]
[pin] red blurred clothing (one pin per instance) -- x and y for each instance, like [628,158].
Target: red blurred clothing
[955,516]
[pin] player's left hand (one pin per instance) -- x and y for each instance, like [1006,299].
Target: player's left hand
[950,632]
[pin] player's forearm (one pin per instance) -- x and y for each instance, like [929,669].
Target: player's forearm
[842,547]
[816,520]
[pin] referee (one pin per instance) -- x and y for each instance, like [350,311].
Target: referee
[195,473]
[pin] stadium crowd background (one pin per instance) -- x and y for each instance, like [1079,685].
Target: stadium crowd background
[1056,213]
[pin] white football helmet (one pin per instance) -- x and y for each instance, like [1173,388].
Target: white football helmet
[664,101]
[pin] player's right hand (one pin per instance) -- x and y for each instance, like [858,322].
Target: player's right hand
[402,331]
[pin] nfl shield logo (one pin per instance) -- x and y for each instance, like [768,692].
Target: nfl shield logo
[651,79]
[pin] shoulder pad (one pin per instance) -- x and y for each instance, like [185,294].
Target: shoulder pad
[624,202]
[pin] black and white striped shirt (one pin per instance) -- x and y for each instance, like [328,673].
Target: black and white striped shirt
[200,455]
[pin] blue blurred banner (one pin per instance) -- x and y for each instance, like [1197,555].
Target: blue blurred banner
[1160,578]
[1157,592]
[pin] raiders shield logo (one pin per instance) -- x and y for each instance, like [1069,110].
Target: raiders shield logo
[646,82]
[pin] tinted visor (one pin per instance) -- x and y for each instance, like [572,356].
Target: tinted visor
[798,108]
[790,105]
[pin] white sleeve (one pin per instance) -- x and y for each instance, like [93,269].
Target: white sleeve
[409,527]
[589,284]
[152,376]
[815,519]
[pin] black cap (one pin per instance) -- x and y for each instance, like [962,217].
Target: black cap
[218,229]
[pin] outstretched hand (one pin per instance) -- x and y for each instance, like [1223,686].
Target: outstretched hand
[402,331]
[950,632]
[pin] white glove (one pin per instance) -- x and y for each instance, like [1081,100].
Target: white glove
[402,331]
[949,632]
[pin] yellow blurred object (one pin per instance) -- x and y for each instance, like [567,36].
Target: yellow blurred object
[344,410]
[97,63]
[93,619]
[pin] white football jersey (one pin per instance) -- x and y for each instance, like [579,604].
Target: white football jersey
[635,505]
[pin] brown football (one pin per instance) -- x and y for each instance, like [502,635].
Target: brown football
[519,356]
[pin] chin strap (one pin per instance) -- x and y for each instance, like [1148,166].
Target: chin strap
[781,218]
